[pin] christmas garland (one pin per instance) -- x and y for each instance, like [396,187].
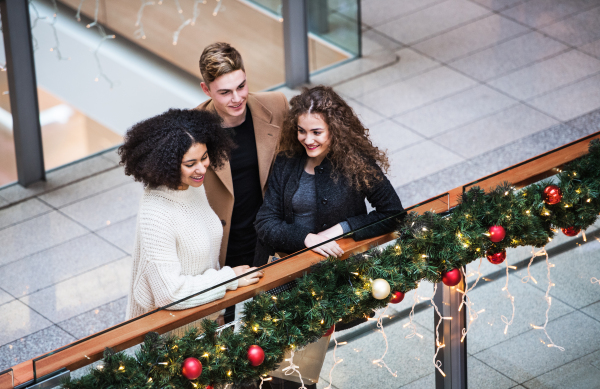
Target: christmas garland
[430,247]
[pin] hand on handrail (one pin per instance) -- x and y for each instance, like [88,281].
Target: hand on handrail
[250,278]
[328,249]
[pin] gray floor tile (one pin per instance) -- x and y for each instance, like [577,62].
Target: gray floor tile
[547,75]
[572,100]
[426,382]
[391,136]
[530,308]
[495,130]
[593,309]
[113,156]
[411,358]
[432,20]
[480,375]
[533,145]
[455,111]
[96,320]
[374,42]
[504,156]
[572,273]
[527,356]
[508,56]
[36,234]
[33,345]
[322,384]
[85,188]
[84,292]
[588,122]
[108,207]
[58,178]
[377,12]
[592,48]
[23,321]
[417,91]
[354,68]
[414,162]
[367,116]
[121,234]
[579,374]
[5,297]
[539,13]
[3,202]
[474,36]
[593,359]
[498,5]
[289,93]
[22,211]
[409,63]
[577,30]
[66,260]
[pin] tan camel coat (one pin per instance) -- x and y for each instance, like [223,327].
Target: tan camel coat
[268,110]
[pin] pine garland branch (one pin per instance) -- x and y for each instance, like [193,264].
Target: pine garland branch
[428,245]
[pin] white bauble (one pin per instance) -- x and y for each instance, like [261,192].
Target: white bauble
[380,289]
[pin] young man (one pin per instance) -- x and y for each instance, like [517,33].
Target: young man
[235,192]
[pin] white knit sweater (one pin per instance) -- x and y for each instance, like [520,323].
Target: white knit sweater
[176,254]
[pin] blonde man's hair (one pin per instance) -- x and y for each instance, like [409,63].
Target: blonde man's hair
[218,59]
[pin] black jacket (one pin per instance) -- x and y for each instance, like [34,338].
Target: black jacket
[336,202]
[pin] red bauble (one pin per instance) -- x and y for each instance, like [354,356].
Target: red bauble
[552,195]
[329,331]
[396,297]
[256,355]
[497,233]
[452,277]
[209,387]
[571,231]
[496,258]
[191,368]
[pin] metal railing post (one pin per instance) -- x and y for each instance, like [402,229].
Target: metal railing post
[454,354]
[22,88]
[295,42]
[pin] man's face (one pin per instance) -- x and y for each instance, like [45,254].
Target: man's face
[229,93]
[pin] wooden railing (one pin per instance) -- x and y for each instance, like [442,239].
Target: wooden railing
[128,334]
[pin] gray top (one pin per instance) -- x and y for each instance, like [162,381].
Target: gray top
[304,203]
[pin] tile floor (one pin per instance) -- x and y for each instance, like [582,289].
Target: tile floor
[454,90]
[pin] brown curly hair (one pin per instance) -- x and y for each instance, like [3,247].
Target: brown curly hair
[351,152]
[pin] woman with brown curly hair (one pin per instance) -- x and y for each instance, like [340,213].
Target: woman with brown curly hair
[178,236]
[326,168]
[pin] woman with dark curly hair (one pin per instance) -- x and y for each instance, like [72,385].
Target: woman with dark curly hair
[325,169]
[178,235]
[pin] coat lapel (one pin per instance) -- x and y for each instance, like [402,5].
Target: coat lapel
[267,137]
[224,173]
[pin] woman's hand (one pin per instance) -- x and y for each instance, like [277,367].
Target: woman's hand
[250,278]
[331,249]
[332,232]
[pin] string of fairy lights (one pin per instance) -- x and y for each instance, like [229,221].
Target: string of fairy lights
[139,33]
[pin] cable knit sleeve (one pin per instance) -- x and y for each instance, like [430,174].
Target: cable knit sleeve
[162,281]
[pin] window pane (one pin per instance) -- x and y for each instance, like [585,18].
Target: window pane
[8,166]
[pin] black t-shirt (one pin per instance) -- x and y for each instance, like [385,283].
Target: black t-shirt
[246,190]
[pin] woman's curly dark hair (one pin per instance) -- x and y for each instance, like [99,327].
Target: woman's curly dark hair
[351,152]
[154,147]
